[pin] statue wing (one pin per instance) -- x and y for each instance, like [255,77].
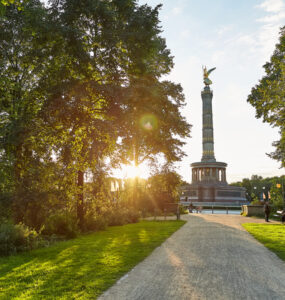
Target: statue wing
[211,70]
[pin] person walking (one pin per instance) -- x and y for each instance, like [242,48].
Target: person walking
[190,207]
[266,211]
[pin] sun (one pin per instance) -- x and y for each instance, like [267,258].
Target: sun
[131,171]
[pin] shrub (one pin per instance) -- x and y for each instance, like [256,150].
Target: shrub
[133,215]
[117,216]
[61,224]
[183,210]
[16,238]
[95,222]
[256,202]
[122,215]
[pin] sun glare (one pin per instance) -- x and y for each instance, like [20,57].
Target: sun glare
[131,171]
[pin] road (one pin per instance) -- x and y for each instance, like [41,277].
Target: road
[210,257]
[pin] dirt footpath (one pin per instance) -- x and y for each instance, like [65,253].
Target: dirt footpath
[210,257]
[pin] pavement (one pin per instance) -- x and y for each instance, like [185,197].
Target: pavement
[210,257]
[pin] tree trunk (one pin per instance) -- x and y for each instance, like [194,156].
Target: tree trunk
[80,199]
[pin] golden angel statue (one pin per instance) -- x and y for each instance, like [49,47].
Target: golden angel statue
[207,81]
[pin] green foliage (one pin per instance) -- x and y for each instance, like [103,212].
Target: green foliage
[95,222]
[5,206]
[268,96]
[277,193]
[271,236]
[183,210]
[81,268]
[257,188]
[256,201]
[61,224]
[79,81]
[17,3]
[163,188]
[122,215]
[17,238]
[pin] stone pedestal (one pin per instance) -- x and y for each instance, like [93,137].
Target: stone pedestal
[253,210]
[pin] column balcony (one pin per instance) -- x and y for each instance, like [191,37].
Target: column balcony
[209,172]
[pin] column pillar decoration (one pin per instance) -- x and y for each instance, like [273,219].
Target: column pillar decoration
[208,131]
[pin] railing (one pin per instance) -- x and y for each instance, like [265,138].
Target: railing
[214,204]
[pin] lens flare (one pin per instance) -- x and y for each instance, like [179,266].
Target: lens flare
[131,171]
[148,122]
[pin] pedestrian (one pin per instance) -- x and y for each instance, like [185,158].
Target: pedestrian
[190,207]
[266,211]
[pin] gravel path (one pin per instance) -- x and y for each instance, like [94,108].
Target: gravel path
[210,257]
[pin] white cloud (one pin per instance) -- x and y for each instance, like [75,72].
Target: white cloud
[275,18]
[224,29]
[273,6]
[245,40]
[276,10]
[272,21]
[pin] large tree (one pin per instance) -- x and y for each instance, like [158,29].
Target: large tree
[268,97]
[24,41]
[77,77]
[119,81]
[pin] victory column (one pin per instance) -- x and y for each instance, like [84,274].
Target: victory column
[209,182]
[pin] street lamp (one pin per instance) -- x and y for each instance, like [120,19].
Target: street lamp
[260,193]
[262,196]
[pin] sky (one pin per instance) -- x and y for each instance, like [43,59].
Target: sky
[236,37]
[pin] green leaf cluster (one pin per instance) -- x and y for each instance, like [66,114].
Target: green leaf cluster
[268,96]
[77,80]
[268,189]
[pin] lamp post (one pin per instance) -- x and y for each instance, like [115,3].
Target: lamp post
[262,194]
[259,193]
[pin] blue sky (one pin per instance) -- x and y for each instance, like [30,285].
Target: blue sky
[237,37]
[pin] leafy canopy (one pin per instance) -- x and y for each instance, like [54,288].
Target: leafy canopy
[268,97]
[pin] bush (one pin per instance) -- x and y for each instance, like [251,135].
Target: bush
[256,202]
[17,238]
[117,216]
[133,215]
[183,210]
[122,215]
[94,223]
[61,224]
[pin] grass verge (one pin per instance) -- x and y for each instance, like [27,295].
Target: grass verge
[84,267]
[271,236]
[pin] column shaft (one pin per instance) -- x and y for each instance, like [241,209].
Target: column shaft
[208,131]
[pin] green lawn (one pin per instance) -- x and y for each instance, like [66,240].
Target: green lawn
[270,235]
[84,267]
